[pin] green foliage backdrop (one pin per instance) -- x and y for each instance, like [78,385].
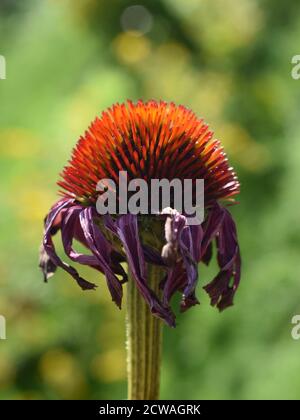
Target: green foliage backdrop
[230,61]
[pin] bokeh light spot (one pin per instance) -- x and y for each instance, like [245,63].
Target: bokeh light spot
[137,18]
[131,49]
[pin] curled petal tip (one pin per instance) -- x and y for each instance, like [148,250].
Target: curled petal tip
[46,265]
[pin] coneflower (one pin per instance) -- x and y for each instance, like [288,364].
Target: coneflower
[152,140]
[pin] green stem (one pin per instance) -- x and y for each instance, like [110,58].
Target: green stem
[144,341]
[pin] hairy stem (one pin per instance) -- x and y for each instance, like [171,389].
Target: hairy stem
[144,341]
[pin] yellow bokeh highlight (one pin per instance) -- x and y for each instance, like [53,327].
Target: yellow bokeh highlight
[18,143]
[7,371]
[251,155]
[61,370]
[109,366]
[30,204]
[131,47]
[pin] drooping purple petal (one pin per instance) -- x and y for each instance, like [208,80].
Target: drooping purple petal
[210,229]
[110,224]
[116,260]
[174,282]
[71,228]
[49,248]
[190,248]
[46,265]
[182,251]
[101,249]
[220,289]
[69,225]
[127,230]
[116,257]
[152,256]
[207,256]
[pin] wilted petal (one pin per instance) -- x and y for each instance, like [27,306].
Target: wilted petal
[211,227]
[220,290]
[71,229]
[152,256]
[69,226]
[46,265]
[184,242]
[116,257]
[116,260]
[207,256]
[127,230]
[174,282]
[190,248]
[101,249]
[49,247]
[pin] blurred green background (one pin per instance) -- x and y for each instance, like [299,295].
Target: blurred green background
[230,61]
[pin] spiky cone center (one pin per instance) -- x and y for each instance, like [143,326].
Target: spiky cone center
[152,140]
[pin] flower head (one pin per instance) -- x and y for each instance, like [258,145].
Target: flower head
[152,140]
